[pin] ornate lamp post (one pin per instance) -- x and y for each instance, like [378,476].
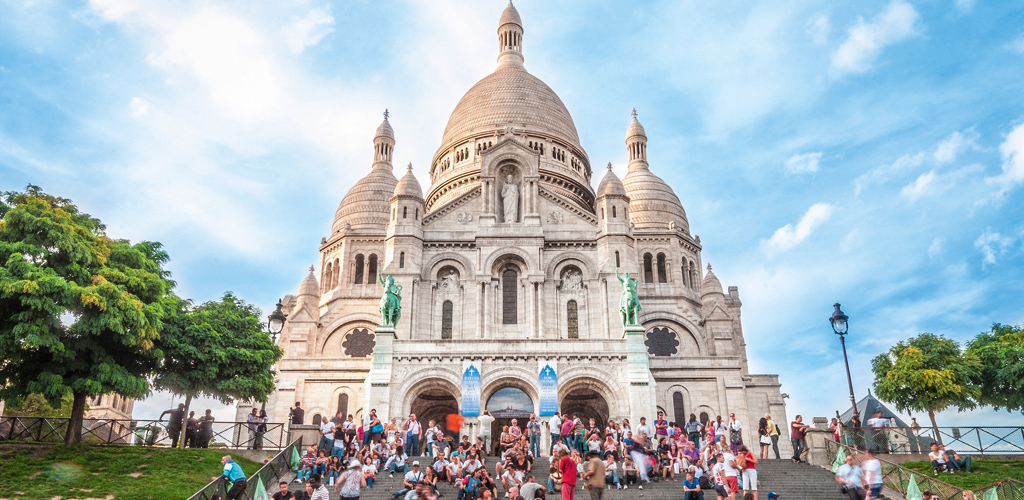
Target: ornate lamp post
[275,322]
[840,325]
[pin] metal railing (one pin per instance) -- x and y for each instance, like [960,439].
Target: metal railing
[897,477]
[1007,489]
[143,433]
[965,440]
[270,473]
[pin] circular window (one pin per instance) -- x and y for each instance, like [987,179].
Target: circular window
[359,343]
[662,342]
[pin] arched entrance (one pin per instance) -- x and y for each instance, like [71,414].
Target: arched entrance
[506,404]
[436,401]
[584,397]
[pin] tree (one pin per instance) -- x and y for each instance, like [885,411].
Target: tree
[79,311]
[927,373]
[1001,379]
[35,405]
[218,349]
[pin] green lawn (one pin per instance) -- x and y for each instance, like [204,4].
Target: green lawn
[983,472]
[107,472]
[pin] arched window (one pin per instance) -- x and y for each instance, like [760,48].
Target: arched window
[614,213]
[686,281]
[509,297]
[617,264]
[446,319]
[703,418]
[648,268]
[371,274]
[677,408]
[358,278]
[343,404]
[417,214]
[662,278]
[401,260]
[602,213]
[335,273]
[694,277]
[325,283]
[572,316]
[317,419]
[405,212]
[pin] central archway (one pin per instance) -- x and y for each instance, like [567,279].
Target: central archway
[435,400]
[584,397]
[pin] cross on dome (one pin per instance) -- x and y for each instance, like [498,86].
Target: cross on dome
[609,165]
[386,114]
[634,113]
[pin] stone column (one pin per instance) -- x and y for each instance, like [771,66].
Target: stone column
[642,394]
[378,381]
[816,436]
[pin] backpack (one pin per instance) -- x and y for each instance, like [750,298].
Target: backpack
[705,484]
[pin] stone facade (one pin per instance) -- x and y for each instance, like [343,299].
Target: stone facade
[512,257]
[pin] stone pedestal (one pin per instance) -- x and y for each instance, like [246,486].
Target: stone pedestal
[816,436]
[378,381]
[642,395]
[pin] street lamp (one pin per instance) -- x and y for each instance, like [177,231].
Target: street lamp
[275,322]
[840,324]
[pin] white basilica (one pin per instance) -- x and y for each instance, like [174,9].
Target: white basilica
[508,264]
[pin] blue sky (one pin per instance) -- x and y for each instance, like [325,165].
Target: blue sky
[870,153]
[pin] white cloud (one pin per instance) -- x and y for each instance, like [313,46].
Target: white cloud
[1013,162]
[932,183]
[948,149]
[1018,45]
[818,29]
[114,10]
[992,245]
[139,106]
[935,248]
[806,163]
[867,39]
[789,236]
[307,31]
[882,174]
[964,6]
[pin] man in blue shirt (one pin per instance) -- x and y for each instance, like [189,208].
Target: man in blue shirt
[691,488]
[233,474]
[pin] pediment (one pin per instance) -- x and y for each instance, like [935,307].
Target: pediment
[717,313]
[468,202]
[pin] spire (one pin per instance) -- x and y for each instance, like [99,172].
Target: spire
[510,38]
[636,143]
[383,142]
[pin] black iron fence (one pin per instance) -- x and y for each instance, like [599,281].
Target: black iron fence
[269,475]
[897,477]
[964,440]
[1007,489]
[145,433]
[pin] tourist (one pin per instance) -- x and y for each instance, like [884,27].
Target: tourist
[326,435]
[555,429]
[643,430]
[595,475]
[639,455]
[533,431]
[411,479]
[468,487]
[322,464]
[397,462]
[334,470]
[773,433]
[175,418]
[660,426]
[206,429]
[430,479]
[796,436]
[375,428]
[191,430]
[283,493]
[350,481]
[611,448]
[431,436]
[251,424]
[531,490]
[721,481]
[720,427]
[611,472]
[878,437]
[567,434]
[348,427]
[233,474]
[693,429]
[747,463]
[852,479]
[763,439]
[956,462]
[938,459]
[732,471]
[567,468]
[413,432]
[632,474]
[735,433]
[297,414]
[306,464]
[316,490]
[691,488]
[504,442]
[391,430]
[369,470]
[872,469]
[261,429]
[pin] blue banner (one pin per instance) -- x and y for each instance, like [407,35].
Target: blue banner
[470,389]
[548,379]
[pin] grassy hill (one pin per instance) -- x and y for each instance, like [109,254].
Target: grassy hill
[983,472]
[107,472]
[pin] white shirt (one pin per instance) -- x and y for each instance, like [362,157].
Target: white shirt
[938,456]
[718,471]
[735,425]
[413,477]
[729,469]
[485,424]
[643,429]
[348,425]
[852,474]
[878,422]
[555,425]
[873,470]
[328,428]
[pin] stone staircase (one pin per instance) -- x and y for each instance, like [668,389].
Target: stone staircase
[791,481]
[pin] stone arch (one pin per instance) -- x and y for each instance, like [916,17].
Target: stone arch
[603,383]
[520,156]
[423,379]
[456,260]
[680,324]
[561,260]
[497,258]
[669,403]
[588,397]
[510,376]
[342,326]
[352,392]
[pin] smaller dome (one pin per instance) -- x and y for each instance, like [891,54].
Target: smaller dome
[409,186]
[385,130]
[309,285]
[510,16]
[610,184]
[635,129]
[711,284]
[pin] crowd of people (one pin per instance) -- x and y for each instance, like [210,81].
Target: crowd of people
[198,431]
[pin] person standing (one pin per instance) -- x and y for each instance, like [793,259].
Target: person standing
[485,421]
[413,431]
[326,435]
[206,429]
[233,474]
[872,475]
[351,481]
[735,434]
[251,424]
[174,421]
[555,429]
[595,475]
[261,430]
[747,463]
[852,479]
[297,414]
[533,434]
[879,436]
[191,430]
[567,467]
[773,432]
[796,436]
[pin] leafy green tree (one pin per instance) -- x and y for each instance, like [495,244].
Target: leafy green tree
[1001,379]
[218,349]
[79,311]
[35,405]
[927,373]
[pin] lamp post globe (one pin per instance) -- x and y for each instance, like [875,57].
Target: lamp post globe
[275,323]
[840,326]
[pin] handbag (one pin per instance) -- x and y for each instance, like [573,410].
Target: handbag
[766,440]
[735,436]
[377,429]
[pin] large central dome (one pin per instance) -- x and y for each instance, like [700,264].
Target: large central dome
[510,96]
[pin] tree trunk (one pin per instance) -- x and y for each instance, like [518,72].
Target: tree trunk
[74,434]
[935,427]
[184,422]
